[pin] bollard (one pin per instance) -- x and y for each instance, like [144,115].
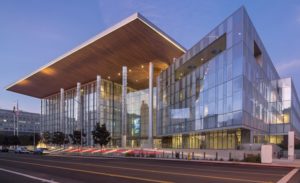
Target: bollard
[204,155]
[216,156]
[230,156]
[181,155]
[172,154]
[193,155]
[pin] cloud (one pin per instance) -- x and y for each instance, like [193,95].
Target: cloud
[285,67]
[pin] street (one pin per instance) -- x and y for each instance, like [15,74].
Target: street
[34,168]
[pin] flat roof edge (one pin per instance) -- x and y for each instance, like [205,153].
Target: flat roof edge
[160,32]
[100,35]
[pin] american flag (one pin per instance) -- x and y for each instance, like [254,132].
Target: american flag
[16,109]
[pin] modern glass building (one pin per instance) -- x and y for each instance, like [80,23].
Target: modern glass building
[22,123]
[220,94]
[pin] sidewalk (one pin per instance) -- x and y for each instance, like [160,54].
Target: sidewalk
[285,162]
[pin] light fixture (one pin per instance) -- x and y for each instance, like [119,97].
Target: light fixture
[119,74]
[142,66]
[108,77]
[129,70]
[202,59]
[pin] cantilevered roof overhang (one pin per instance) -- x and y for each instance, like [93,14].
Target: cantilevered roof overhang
[133,42]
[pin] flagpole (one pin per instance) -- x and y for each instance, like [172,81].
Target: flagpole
[14,112]
[17,118]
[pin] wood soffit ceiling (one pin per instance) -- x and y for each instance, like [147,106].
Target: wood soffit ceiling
[134,44]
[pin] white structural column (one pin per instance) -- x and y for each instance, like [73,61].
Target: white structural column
[150,134]
[98,105]
[124,111]
[42,124]
[62,111]
[78,101]
[98,99]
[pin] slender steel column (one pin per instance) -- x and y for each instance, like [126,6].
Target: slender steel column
[150,135]
[78,101]
[62,111]
[124,111]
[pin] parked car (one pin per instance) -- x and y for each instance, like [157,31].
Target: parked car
[21,150]
[4,149]
[41,151]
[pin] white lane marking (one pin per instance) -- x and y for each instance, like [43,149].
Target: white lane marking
[28,176]
[83,157]
[288,176]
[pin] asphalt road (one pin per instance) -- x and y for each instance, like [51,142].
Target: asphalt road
[17,168]
[295,178]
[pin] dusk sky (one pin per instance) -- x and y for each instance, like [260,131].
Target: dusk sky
[34,32]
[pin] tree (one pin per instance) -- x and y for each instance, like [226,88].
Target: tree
[58,138]
[14,140]
[1,139]
[35,137]
[25,140]
[66,139]
[5,141]
[46,137]
[76,137]
[101,135]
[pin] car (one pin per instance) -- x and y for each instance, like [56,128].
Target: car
[21,150]
[4,149]
[41,151]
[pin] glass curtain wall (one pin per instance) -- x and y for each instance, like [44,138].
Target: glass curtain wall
[110,111]
[209,96]
[138,116]
[234,88]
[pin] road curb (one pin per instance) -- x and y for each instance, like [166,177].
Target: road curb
[196,161]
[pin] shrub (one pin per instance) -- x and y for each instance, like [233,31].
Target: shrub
[152,156]
[129,155]
[252,158]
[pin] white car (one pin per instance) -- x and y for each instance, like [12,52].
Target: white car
[21,150]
